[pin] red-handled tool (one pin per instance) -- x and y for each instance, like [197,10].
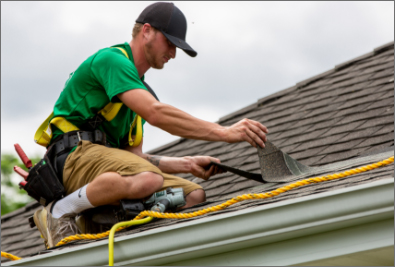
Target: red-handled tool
[21,172]
[22,184]
[22,155]
[26,161]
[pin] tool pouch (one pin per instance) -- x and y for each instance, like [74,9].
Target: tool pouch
[42,183]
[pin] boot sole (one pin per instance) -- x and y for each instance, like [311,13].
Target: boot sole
[40,219]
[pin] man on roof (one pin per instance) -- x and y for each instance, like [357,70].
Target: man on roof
[95,175]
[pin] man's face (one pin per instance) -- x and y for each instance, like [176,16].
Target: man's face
[158,50]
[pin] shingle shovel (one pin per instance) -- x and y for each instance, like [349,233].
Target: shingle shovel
[275,165]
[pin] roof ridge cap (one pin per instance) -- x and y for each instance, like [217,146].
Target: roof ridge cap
[384,47]
[346,64]
[375,52]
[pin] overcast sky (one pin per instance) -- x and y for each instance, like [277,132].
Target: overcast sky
[246,50]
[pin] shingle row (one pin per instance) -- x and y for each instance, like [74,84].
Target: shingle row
[337,115]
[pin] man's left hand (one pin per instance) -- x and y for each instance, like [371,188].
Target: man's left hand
[200,166]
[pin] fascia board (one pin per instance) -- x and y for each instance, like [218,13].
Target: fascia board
[262,225]
[325,245]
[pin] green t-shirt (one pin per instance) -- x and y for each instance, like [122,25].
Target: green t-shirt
[95,83]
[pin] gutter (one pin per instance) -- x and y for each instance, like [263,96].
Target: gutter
[364,212]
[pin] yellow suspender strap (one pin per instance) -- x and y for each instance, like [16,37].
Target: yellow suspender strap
[136,122]
[123,51]
[110,110]
[43,134]
[139,132]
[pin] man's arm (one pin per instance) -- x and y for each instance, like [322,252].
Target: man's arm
[198,165]
[180,123]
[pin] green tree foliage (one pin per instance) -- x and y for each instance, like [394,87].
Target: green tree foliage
[12,197]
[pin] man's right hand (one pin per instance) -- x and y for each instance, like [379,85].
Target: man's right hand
[247,130]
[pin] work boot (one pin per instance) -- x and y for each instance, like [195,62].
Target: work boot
[40,219]
[56,229]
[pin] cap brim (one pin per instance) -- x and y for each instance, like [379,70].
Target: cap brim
[181,44]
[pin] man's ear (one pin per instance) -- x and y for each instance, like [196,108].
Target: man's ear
[147,29]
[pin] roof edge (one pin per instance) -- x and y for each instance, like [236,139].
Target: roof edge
[263,225]
[273,97]
[238,112]
[384,47]
[166,146]
[314,78]
[375,51]
[346,64]
[354,60]
[279,94]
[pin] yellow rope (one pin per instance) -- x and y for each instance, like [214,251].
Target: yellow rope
[233,200]
[9,256]
[264,195]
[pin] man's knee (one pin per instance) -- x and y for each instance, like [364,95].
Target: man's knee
[195,197]
[152,181]
[143,184]
[199,195]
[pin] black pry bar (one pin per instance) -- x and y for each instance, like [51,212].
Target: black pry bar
[249,175]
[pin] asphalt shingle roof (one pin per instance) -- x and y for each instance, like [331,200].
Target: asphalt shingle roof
[339,115]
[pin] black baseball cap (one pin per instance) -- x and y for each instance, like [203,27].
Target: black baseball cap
[168,19]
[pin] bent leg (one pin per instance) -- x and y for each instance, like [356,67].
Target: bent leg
[115,174]
[194,193]
[91,162]
[194,198]
[110,187]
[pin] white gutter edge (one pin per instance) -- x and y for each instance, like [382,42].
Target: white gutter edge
[236,230]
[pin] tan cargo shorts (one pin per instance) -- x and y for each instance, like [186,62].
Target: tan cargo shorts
[90,160]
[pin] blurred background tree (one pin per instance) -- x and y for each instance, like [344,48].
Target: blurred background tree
[12,197]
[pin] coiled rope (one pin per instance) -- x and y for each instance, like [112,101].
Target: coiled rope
[222,206]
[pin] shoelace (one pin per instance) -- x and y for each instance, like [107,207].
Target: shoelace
[68,226]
